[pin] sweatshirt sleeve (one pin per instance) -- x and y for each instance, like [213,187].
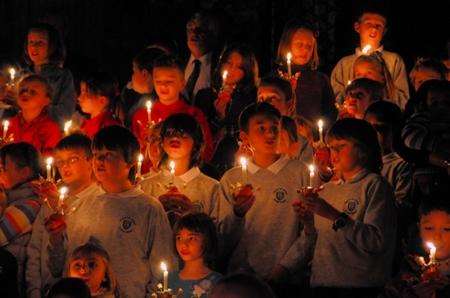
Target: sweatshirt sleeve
[300,253]
[400,81]
[417,133]
[64,101]
[57,256]
[376,231]
[33,266]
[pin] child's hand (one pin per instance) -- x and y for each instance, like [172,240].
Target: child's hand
[317,205]
[48,193]
[223,99]
[55,224]
[243,200]
[305,216]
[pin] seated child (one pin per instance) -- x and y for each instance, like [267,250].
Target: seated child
[69,287]
[427,69]
[97,95]
[187,188]
[241,285]
[359,95]
[33,124]
[90,263]
[196,244]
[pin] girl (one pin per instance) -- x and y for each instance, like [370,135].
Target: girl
[314,96]
[186,188]
[44,52]
[98,93]
[354,217]
[196,244]
[227,98]
[91,263]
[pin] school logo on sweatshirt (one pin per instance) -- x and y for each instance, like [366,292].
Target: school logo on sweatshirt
[126,224]
[280,195]
[351,206]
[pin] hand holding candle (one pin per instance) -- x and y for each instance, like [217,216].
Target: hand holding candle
[288,62]
[165,276]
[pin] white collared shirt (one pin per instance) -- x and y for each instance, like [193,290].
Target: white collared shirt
[204,78]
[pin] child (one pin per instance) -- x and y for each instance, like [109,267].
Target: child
[169,83]
[19,203]
[33,124]
[131,226]
[417,279]
[182,144]
[196,243]
[277,92]
[292,144]
[243,286]
[371,27]
[91,263]
[44,52]
[269,183]
[359,95]
[69,288]
[314,97]
[427,69]
[73,159]
[97,95]
[354,217]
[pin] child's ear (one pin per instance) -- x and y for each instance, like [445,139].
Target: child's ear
[356,26]
[243,137]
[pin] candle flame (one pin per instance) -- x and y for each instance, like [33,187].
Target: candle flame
[366,49]
[12,73]
[225,75]
[63,191]
[140,157]
[49,161]
[172,167]
[289,57]
[67,126]
[349,82]
[311,168]
[148,105]
[5,124]
[430,245]
[320,124]
[244,162]
[163,266]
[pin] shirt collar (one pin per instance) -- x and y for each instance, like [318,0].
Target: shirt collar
[274,168]
[205,59]
[190,175]
[357,177]
[134,192]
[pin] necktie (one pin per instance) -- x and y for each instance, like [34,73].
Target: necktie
[193,79]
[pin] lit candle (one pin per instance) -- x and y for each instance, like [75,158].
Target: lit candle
[288,62]
[349,82]
[12,74]
[244,165]
[311,174]
[432,248]
[67,126]
[366,49]
[5,128]
[172,170]
[320,125]
[166,276]
[140,159]
[224,77]
[148,105]
[62,195]
[49,163]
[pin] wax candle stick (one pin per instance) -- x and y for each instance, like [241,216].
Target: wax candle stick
[165,276]
[224,77]
[5,128]
[312,169]
[62,196]
[148,105]
[288,62]
[140,159]
[67,126]
[320,125]
[49,165]
[432,248]
[172,171]
[244,165]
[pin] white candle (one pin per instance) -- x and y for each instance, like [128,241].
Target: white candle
[432,248]
[140,159]
[62,195]
[312,169]
[172,170]
[165,275]
[366,49]
[5,128]
[148,105]
[49,163]
[67,126]
[320,125]
[288,62]
[224,77]
[12,74]
[244,165]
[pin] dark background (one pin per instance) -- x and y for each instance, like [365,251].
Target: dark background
[107,34]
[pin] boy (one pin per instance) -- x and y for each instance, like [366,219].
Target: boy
[169,83]
[131,226]
[371,27]
[73,159]
[272,182]
[33,124]
[360,94]
[19,205]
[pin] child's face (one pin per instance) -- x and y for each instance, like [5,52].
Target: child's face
[263,134]
[110,166]
[141,80]
[196,38]
[11,174]
[361,102]
[343,155]
[302,46]
[384,133]
[371,28]
[435,228]
[32,96]
[73,165]
[90,103]
[234,66]
[423,75]
[275,97]
[189,245]
[178,145]
[91,270]
[37,47]
[154,148]
[365,69]
[169,82]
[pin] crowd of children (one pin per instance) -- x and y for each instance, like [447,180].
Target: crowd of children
[205,180]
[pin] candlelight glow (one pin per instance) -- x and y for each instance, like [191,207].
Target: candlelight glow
[289,57]
[320,124]
[244,162]
[12,73]
[172,167]
[140,157]
[63,191]
[67,126]
[49,161]
[366,49]
[148,105]
[163,266]
[311,168]
[225,75]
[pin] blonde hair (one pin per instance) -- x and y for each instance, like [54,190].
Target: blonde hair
[286,39]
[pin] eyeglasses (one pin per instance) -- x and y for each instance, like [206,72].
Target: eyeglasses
[70,161]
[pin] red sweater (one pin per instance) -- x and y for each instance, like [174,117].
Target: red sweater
[161,111]
[42,132]
[91,126]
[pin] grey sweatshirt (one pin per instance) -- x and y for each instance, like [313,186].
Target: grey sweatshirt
[134,230]
[399,174]
[38,276]
[199,188]
[361,253]
[262,245]
[343,72]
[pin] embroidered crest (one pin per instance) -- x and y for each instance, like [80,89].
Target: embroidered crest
[280,195]
[126,224]
[351,206]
